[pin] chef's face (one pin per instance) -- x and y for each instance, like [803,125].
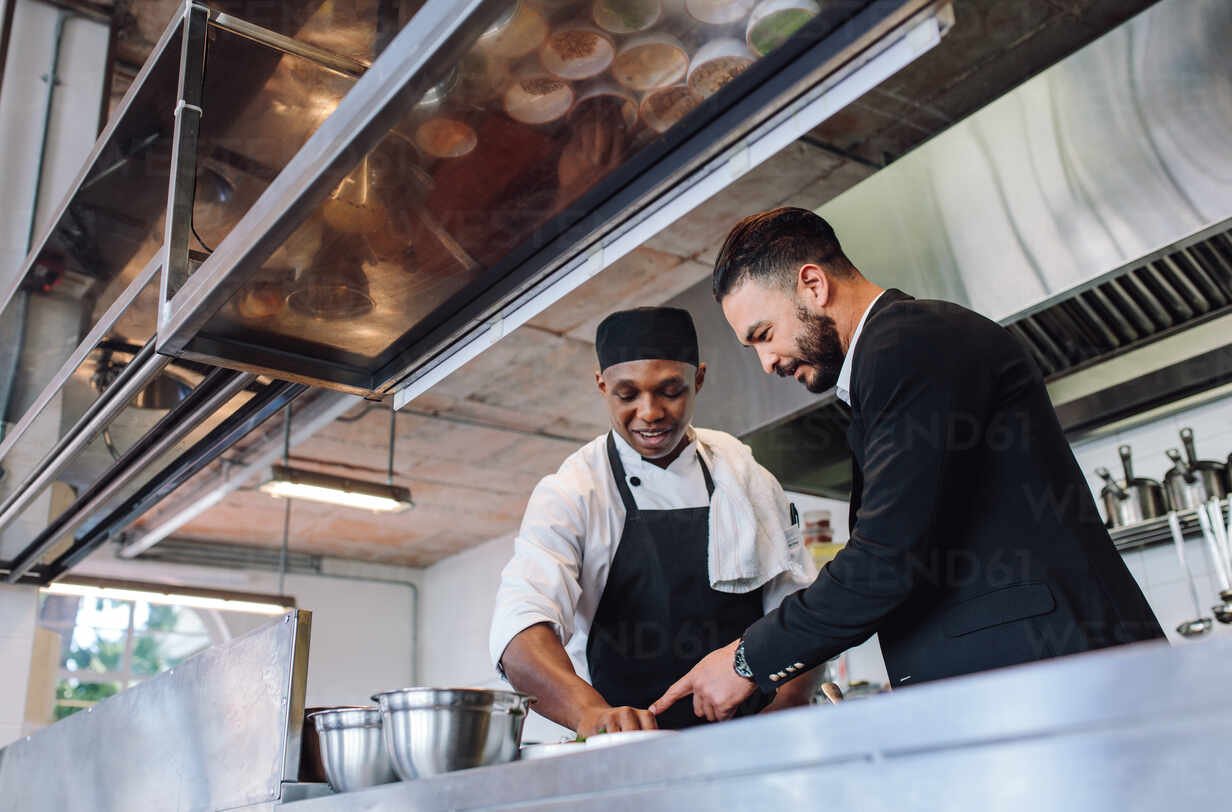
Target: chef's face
[651,402]
[793,335]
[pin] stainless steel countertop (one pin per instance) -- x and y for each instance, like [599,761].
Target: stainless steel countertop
[1139,727]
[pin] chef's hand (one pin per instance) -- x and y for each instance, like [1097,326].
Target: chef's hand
[612,720]
[716,687]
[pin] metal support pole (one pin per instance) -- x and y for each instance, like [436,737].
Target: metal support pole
[393,436]
[181,188]
[52,78]
[283,552]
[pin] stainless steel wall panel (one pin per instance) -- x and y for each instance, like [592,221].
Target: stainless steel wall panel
[214,733]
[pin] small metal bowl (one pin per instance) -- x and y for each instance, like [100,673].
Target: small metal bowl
[353,749]
[429,731]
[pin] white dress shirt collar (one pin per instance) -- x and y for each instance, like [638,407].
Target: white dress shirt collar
[843,387]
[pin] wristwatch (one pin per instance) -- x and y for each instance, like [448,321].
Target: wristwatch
[740,664]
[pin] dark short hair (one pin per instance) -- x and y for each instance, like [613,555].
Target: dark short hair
[769,247]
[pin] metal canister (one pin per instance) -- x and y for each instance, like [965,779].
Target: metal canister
[1132,500]
[1191,481]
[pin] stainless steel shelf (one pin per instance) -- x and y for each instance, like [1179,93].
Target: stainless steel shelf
[1155,531]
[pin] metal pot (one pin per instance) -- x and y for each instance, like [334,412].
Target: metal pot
[352,748]
[1134,499]
[429,731]
[1192,482]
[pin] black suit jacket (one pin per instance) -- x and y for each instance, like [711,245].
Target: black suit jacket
[975,541]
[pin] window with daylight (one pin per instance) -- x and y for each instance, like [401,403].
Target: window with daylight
[107,644]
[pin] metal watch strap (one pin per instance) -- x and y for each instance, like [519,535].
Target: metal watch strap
[740,664]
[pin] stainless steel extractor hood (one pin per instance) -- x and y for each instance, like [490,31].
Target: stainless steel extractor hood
[1088,209]
[451,183]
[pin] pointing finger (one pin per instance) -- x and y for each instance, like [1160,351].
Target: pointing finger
[683,687]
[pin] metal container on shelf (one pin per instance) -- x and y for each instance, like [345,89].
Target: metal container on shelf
[1132,500]
[1191,481]
[429,731]
[352,748]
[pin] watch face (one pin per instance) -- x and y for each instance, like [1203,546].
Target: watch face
[741,664]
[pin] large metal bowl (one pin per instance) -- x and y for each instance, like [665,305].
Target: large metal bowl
[430,731]
[353,749]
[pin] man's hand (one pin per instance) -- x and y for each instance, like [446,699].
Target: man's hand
[611,720]
[717,689]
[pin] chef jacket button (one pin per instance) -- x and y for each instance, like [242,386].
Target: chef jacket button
[799,665]
[775,677]
[791,669]
[634,481]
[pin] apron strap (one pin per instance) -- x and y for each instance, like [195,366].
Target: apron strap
[618,473]
[622,485]
[706,474]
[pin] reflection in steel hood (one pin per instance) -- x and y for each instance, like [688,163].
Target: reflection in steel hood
[1116,152]
[1112,164]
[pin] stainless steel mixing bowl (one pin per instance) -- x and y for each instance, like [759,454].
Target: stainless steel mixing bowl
[430,731]
[353,749]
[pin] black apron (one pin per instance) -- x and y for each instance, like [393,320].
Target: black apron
[658,615]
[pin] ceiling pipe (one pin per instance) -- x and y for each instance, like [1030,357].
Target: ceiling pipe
[6,36]
[21,301]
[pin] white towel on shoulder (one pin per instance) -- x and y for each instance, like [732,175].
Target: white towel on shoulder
[749,512]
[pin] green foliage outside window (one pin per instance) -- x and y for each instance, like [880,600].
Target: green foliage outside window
[109,644]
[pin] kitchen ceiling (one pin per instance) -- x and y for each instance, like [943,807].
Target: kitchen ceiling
[473,447]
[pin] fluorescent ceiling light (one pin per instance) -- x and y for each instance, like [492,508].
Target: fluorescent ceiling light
[192,601]
[295,483]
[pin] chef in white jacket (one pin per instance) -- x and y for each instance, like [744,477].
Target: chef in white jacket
[651,546]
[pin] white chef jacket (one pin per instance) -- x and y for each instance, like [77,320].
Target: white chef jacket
[572,527]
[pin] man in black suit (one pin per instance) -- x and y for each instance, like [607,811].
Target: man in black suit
[975,542]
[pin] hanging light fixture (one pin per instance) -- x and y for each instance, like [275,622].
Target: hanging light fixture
[194,601]
[383,497]
[296,483]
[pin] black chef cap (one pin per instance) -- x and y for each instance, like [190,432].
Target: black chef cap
[645,333]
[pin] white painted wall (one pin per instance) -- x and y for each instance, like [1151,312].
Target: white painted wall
[458,600]
[18,605]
